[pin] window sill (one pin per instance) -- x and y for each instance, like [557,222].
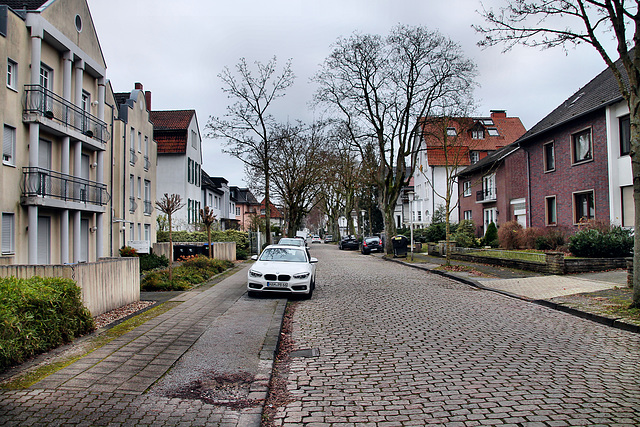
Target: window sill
[550,170]
[11,165]
[581,162]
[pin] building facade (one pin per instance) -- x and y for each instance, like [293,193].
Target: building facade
[56,135]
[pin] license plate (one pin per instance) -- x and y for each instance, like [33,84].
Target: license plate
[277,285]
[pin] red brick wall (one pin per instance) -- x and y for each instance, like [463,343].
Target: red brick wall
[568,178]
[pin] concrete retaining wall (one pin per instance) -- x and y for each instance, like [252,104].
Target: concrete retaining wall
[107,284]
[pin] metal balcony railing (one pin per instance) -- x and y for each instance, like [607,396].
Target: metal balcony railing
[148,207]
[47,183]
[146,163]
[486,195]
[132,204]
[46,103]
[133,158]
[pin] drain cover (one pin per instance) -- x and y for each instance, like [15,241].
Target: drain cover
[307,352]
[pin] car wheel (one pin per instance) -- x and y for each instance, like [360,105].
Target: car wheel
[309,295]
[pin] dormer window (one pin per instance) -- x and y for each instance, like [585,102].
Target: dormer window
[477,133]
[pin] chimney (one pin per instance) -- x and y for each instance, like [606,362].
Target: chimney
[147,97]
[138,86]
[498,114]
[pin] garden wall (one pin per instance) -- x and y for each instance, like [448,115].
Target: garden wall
[221,250]
[107,284]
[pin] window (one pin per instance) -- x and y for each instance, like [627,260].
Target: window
[628,208]
[8,231]
[490,215]
[86,101]
[489,187]
[12,74]
[493,132]
[139,142]
[583,206]
[194,137]
[8,145]
[625,135]
[451,132]
[147,232]
[46,77]
[468,215]
[581,146]
[189,170]
[146,146]
[139,188]
[237,211]
[549,157]
[551,217]
[475,156]
[466,188]
[477,133]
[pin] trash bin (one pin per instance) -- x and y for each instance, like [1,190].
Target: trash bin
[400,245]
[184,250]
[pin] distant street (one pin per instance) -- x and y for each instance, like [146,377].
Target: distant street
[398,346]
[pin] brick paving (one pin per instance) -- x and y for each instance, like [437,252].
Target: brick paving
[399,346]
[114,385]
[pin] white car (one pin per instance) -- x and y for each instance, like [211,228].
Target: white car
[316,239]
[282,268]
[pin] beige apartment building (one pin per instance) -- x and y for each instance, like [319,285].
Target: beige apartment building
[67,142]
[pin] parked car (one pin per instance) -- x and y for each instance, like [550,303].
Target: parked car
[371,244]
[348,242]
[282,268]
[316,239]
[292,241]
[328,238]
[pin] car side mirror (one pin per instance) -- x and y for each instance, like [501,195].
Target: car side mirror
[313,260]
[254,257]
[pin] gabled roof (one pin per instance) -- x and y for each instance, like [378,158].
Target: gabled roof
[244,196]
[600,92]
[24,4]
[455,156]
[274,212]
[491,159]
[170,130]
[499,131]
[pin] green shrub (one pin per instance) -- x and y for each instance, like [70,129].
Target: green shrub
[128,252]
[465,235]
[39,314]
[193,271]
[595,243]
[152,261]
[491,235]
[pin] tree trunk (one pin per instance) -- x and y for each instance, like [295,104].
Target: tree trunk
[447,229]
[634,107]
[267,209]
[389,228]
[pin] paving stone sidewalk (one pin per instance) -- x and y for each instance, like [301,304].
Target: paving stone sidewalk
[114,384]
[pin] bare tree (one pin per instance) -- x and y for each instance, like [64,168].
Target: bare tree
[553,23]
[383,85]
[168,205]
[208,218]
[247,126]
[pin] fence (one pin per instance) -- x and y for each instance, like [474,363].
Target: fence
[221,250]
[107,284]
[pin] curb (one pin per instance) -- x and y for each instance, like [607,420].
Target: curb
[614,323]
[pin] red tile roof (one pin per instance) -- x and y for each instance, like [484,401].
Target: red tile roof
[170,130]
[273,211]
[457,157]
[508,130]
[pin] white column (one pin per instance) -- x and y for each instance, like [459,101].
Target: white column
[101,97]
[34,140]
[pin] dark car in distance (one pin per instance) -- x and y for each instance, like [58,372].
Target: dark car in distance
[348,242]
[371,244]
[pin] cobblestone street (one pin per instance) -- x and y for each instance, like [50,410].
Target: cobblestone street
[399,346]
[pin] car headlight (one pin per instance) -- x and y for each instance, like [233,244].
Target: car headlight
[254,273]
[301,275]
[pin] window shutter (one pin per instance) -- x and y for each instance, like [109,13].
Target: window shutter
[7,233]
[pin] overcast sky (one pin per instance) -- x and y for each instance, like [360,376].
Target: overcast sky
[177,49]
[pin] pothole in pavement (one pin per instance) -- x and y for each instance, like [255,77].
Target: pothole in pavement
[231,390]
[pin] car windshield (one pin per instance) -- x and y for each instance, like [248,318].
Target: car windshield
[288,241]
[283,255]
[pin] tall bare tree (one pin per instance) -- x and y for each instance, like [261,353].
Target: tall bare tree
[562,23]
[168,205]
[247,126]
[383,85]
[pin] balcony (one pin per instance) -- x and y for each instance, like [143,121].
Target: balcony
[148,207]
[147,163]
[132,204]
[42,102]
[133,157]
[486,195]
[45,187]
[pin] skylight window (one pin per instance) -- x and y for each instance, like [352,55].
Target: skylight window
[488,122]
[451,132]
[493,132]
